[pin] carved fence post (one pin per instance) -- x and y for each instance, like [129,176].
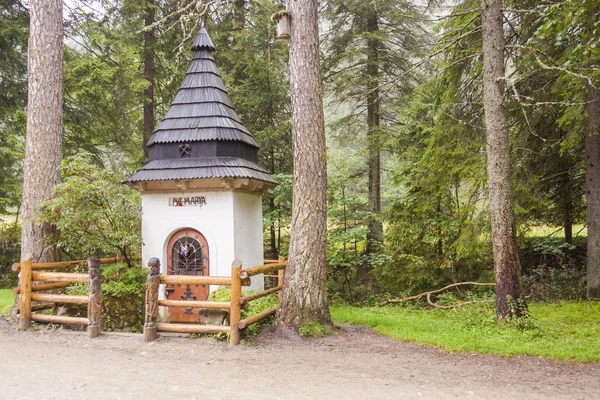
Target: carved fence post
[25,297]
[152,284]
[235,307]
[94,298]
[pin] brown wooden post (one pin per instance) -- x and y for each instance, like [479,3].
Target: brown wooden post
[234,311]
[94,298]
[152,285]
[25,296]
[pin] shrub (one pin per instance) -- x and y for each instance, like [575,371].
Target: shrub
[10,238]
[254,307]
[123,292]
[93,211]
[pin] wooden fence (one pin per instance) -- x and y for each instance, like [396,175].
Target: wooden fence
[28,292]
[236,281]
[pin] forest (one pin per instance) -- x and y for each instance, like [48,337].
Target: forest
[462,142]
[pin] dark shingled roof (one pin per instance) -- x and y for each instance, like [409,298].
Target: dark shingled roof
[201,112]
[201,168]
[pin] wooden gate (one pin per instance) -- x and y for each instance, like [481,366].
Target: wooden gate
[187,254]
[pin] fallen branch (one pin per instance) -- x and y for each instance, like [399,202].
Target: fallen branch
[429,293]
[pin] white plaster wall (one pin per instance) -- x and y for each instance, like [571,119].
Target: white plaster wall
[248,232]
[214,220]
[230,221]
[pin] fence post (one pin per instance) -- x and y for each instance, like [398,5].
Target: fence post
[152,284]
[94,298]
[234,308]
[25,297]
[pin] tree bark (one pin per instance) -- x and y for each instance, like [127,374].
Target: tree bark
[374,225]
[303,297]
[565,193]
[239,17]
[149,74]
[506,258]
[592,182]
[44,123]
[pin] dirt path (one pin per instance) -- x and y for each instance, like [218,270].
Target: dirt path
[355,364]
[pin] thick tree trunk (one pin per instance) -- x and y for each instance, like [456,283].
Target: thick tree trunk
[239,17]
[374,226]
[303,297]
[506,257]
[44,123]
[592,181]
[149,74]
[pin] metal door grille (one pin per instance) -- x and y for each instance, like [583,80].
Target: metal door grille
[188,256]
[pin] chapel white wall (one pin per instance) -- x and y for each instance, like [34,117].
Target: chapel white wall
[231,222]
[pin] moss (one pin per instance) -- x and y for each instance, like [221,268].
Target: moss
[280,14]
[123,292]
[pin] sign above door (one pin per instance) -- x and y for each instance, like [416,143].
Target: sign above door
[197,201]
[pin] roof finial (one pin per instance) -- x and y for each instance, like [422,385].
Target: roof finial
[203,40]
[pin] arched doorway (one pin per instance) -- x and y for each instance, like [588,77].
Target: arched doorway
[187,254]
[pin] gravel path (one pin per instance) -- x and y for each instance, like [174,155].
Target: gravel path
[354,364]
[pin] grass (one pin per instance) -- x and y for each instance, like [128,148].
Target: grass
[314,329]
[564,331]
[7,299]
[542,231]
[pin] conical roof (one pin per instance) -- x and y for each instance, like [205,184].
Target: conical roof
[201,132]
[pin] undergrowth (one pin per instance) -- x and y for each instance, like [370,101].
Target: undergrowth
[123,291]
[254,307]
[314,329]
[7,299]
[565,330]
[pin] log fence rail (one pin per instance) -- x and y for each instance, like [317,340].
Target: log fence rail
[29,292]
[29,273]
[238,279]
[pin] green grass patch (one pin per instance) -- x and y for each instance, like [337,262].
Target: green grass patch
[314,329]
[254,307]
[7,299]
[564,331]
[543,231]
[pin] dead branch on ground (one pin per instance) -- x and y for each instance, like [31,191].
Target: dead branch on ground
[431,292]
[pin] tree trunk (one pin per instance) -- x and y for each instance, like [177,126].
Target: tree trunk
[506,258]
[565,193]
[149,74]
[239,17]
[303,297]
[592,181]
[44,123]
[374,225]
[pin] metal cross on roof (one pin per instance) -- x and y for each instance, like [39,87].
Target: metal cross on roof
[184,150]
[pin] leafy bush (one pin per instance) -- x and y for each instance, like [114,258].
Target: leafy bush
[254,307]
[10,238]
[123,292]
[94,212]
[552,269]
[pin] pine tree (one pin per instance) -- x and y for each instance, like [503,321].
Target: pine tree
[504,237]
[303,298]
[370,48]
[44,123]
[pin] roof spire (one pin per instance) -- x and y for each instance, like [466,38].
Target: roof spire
[203,40]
